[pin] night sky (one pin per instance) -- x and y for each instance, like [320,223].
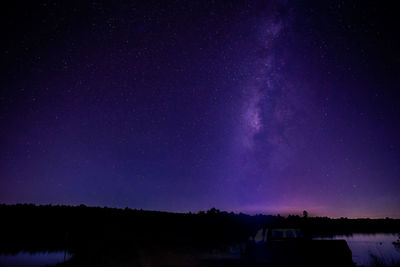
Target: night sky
[246,106]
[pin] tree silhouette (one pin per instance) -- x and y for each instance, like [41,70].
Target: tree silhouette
[305,214]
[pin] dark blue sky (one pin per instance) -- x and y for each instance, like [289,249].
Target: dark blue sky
[250,106]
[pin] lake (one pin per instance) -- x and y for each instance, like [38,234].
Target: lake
[363,245]
[37,259]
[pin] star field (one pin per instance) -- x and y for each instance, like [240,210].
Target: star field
[246,106]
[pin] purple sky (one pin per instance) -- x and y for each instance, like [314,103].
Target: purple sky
[250,106]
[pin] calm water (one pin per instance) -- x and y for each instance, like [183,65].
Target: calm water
[362,245]
[27,259]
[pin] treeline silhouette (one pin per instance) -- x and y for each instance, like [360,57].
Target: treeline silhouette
[79,228]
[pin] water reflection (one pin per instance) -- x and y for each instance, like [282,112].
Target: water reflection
[37,259]
[363,245]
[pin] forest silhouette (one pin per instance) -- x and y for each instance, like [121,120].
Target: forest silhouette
[82,230]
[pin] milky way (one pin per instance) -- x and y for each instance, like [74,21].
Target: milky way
[246,106]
